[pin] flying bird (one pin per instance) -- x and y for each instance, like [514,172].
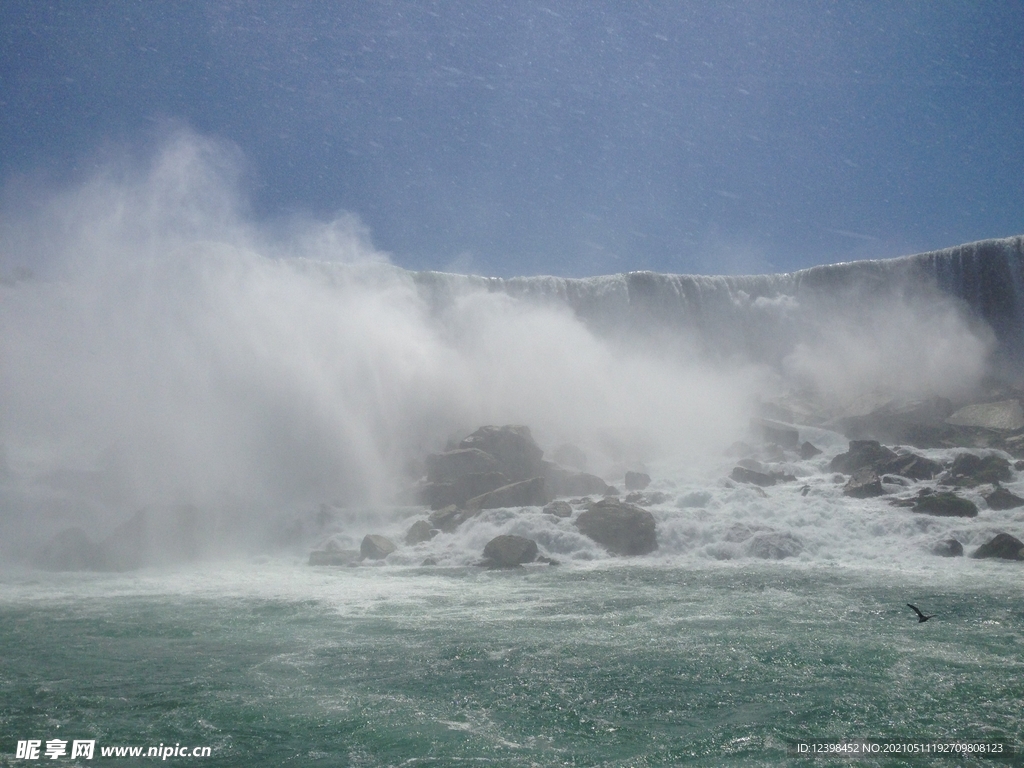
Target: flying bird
[920,616]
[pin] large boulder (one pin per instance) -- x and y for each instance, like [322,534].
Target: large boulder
[744,475]
[526,493]
[620,527]
[775,432]
[567,482]
[518,456]
[948,548]
[461,489]
[969,470]
[376,547]
[558,509]
[864,483]
[509,551]
[1004,415]
[451,517]
[870,454]
[419,532]
[1003,546]
[447,466]
[1001,498]
[944,504]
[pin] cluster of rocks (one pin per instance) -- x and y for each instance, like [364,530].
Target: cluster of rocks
[873,470]
[501,467]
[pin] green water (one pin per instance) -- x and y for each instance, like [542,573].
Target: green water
[282,665]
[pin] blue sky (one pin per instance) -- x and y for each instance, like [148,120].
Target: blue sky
[572,138]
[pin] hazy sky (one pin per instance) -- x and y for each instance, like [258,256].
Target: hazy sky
[571,138]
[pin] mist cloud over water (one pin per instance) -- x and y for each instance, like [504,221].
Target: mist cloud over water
[171,350]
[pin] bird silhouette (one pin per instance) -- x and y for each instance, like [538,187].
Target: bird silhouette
[920,616]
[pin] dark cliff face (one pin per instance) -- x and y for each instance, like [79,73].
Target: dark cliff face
[762,316]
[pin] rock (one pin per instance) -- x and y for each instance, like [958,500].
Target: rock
[637,481]
[1018,465]
[461,489]
[948,548]
[862,454]
[870,454]
[570,456]
[1003,546]
[451,517]
[917,422]
[744,475]
[71,550]
[334,557]
[774,545]
[969,470]
[558,509]
[509,551]
[944,504]
[567,482]
[526,493]
[446,467]
[519,457]
[752,464]
[419,532]
[1001,498]
[911,465]
[620,527]
[776,432]
[375,547]
[864,483]
[1005,415]
[808,451]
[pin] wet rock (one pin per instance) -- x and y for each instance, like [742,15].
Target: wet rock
[808,451]
[558,509]
[744,475]
[1003,546]
[1005,415]
[376,547]
[571,456]
[451,517]
[969,470]
[870,454]
[774,545]
[752,464]
[944,504]
[620,527]
[912,466]
[334,557]
[916,422]
[509,551]
[518,456]
[526,493]
[948,548]
[1001,498]
[637,481]
[419,532]
[446,467]
[863,484]
[568,482]
[862,454]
